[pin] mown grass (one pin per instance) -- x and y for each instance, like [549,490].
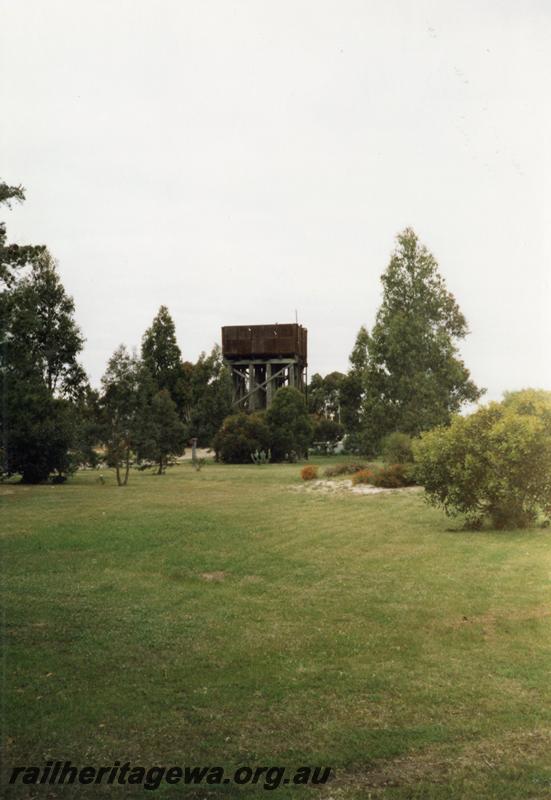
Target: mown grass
[221,618]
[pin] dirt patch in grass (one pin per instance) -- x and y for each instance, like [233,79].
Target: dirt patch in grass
[489,620]
[513,615]
[214,576]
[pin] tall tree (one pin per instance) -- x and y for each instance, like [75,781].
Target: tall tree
[41,374]
[413,378]
[119,411]
[45,335]
[161,354]
[161,433]
[210,396]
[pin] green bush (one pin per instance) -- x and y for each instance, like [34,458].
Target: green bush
[396,448]
[289,424]
[494,463]
[241,437]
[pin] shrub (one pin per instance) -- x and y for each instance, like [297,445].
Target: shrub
[260,457]
[394,476]
[289,424]
[241,436]
[309,473]
[363,476]
[343,469]
[494,463]
[396,448]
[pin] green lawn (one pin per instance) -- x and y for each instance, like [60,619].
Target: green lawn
[222,618]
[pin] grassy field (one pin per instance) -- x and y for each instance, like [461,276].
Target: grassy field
[222,618]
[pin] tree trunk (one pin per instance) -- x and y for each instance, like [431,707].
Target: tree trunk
[118,473]
[127,468]
[160,470]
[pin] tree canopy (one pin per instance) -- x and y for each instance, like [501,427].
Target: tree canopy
[411,375]
[41,375]
[45,336]
[13,256]
[161,353]
[161,434]
[289,423]
[119,411]
[324,394]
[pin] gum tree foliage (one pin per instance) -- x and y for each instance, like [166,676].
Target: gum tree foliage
[13,257]
[325,434]
[43,383]
[413,378]
[201,391]
[209,394]
[161,354]
[87,430]
[46,338]
[138,421]
[326,430]
[352,387]
[493,463]
[324,395]
[119,411]
[38,431]
[160,433]
[290,426]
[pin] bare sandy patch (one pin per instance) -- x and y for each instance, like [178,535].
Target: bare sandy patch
[214,576]
[347,487]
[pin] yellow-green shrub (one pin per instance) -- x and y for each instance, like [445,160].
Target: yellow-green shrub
[495,462]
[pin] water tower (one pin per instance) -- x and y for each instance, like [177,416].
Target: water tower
[263,358]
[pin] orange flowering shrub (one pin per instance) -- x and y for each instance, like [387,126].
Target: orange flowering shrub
[393,477]
[309,473]
[363,476]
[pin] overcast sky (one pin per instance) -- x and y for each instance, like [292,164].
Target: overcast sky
[236,161]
